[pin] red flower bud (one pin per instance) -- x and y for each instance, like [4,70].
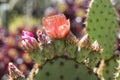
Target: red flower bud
[56,26]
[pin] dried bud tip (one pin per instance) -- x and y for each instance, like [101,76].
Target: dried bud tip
[84,41]
[43,38]
[14,72]
[95,46]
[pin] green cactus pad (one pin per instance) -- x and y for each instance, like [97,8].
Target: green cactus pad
[71,49]
[64,69]
[41,55]
[59,46]
[94,58]
[37,57]
[48,51]
[110,69]
[102,25]
[82,54]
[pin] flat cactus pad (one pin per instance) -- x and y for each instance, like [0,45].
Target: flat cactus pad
[102,25]
[64,69]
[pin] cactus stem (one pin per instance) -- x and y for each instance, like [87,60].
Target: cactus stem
[33,72]
[100,69]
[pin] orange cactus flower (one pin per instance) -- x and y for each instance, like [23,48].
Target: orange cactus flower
[56,26]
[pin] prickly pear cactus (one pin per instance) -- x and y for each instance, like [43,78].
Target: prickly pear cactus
[93,60]
[82,54]
[71,49]
[64,69]
[110,69]
[38,59]
[59,46]
[102,25]
[64,57]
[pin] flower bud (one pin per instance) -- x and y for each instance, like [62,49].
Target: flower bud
[43,38]
[26,33]
[28,41]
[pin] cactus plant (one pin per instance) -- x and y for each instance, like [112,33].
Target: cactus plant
[102,25]
[64,69]
[109,71]
[64,57]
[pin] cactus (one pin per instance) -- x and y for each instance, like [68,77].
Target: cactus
[94,60]
[82,54]
[102,25]
[64,69]
[59,46]
[35,56]
[64,57]
[71,49]
[110,69]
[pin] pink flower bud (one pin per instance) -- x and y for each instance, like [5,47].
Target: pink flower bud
[28,41]
[26,33]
